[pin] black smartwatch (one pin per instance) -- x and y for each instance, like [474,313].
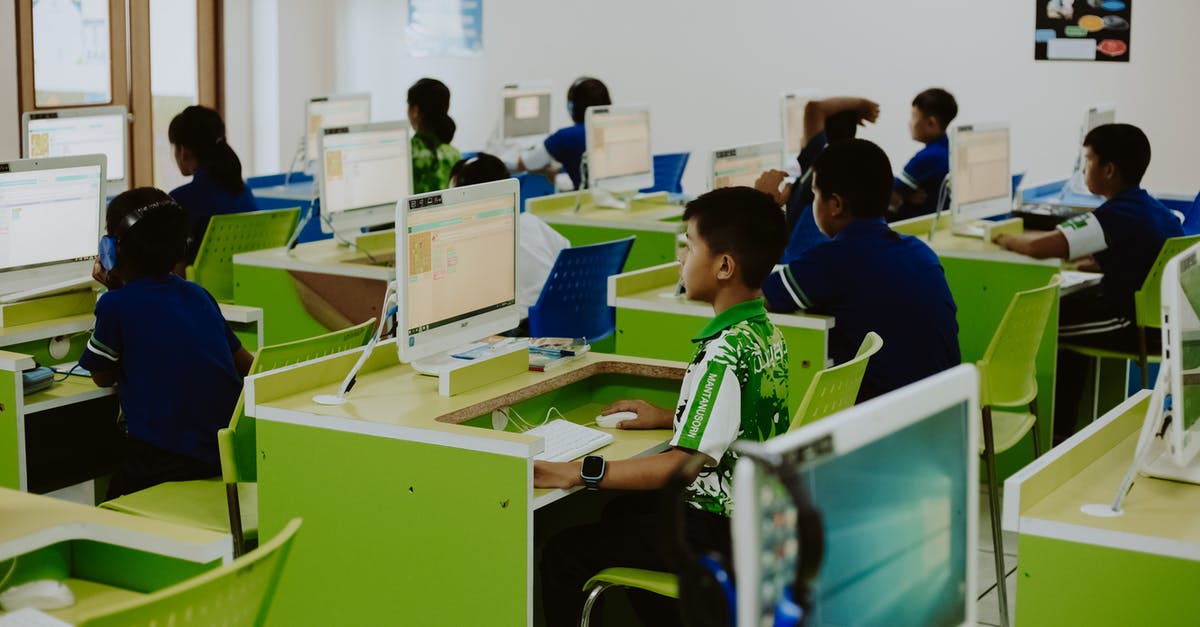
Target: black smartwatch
[592,471]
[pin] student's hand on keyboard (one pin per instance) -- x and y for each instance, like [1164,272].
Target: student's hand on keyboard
[648,416]
[561,475]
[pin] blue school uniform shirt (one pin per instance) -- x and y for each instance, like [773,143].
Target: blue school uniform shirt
[804,233]
[871,278]
[924,171]
[567,146]
[1124,235]
[204,198]
[173,353]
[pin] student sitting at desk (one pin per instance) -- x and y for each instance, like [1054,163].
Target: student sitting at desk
[918,186]
[197,135]
[433,130]
[735,388]
[163,339]
[869,277]
[538,245]
[1123,237]
[567,145]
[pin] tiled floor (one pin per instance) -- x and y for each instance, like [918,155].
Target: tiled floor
[989,601]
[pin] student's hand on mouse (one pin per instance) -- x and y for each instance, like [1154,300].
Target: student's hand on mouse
[768,183]
[648,416]
[562,475]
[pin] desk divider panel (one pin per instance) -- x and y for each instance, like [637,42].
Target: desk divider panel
[10,416]
[285,317]
[47,308]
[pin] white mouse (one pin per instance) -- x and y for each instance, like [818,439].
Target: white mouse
[610,421]
[42,594]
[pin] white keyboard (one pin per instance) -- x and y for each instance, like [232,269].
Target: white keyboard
[566,440]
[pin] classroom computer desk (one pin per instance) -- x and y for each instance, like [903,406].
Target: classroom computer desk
[1136,569]
[415,510]
[656,223]
[106,558]
[277,191]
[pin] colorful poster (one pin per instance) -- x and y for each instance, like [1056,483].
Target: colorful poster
[1082,30]
[440,28]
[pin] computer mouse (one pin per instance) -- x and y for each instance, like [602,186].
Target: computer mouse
[610,421]
[42,594]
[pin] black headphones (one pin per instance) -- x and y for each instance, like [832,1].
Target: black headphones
[110,244]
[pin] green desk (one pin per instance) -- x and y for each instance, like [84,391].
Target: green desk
[415,509]
[656,223]
[651,321]
[105,557]
[317,287]
[1074,569]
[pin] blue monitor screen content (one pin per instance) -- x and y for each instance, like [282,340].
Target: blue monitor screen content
[461,260]
[80,135]
[895,517]
[49,216]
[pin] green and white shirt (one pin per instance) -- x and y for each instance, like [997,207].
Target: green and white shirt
[431,166]
[735,388]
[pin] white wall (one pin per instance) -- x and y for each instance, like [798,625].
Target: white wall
[10,116]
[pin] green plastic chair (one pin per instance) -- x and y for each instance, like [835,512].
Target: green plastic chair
[658,582]
[202,503]
[1008,382]
[1147,304]
[236,594]
[836,388]
[230,234]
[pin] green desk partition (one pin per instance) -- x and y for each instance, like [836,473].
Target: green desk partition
[285,318]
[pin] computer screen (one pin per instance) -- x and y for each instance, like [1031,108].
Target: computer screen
[365,171]
[50,218]
[791,106]
[526,111]
[896,483]
[332,111]
[456,251]
[72,132]
[743,165]
[1097,115]
[980,183]
[618,147]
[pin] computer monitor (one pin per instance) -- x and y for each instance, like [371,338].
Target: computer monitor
[320,113]
[895,480]
[743,165]
[980,182]
[51,220]
[791,109]
[84,131]
[456,267]
[618,147]
[364,171]
[525,110]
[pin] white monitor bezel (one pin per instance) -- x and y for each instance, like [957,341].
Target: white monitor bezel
[113,186]
[629,182]
[806,95]
[748,150]
[850,430]
[313,140]
[22,278]
[1104,107]
[526,88]
[360,217]
[978,210]
[1182,445]
[448,337]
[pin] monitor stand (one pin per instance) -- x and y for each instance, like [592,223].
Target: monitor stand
[602,198]
[475,352]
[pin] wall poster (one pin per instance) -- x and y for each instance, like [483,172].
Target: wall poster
[1082,30]
[440,28]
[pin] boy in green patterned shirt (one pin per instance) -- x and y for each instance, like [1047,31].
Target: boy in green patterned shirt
[734,388]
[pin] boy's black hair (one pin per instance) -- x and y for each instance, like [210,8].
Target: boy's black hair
[482,168]
[841,125]
[746,224]
[859,172]
[1123,145]
[158,240]
[586,92]
[431,97]
[202,131]
[939,103]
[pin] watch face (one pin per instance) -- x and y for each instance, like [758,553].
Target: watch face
[593,466]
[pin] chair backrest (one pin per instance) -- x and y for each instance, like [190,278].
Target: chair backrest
[533,185]
[1008,372]
[237,442]
[238,593]
[230,234]
[1147,302]
[668,172]
[836,388]
[574,301]
[1191,217]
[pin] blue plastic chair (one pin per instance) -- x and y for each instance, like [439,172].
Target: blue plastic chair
[668,173]
[574,302]
[533,186]
[1191,218]
[1016,182]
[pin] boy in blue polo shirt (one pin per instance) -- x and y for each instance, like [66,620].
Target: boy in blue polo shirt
[918,185]
[1123,237]
[735,388]
[162,340]
[567,145]
[869,277]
